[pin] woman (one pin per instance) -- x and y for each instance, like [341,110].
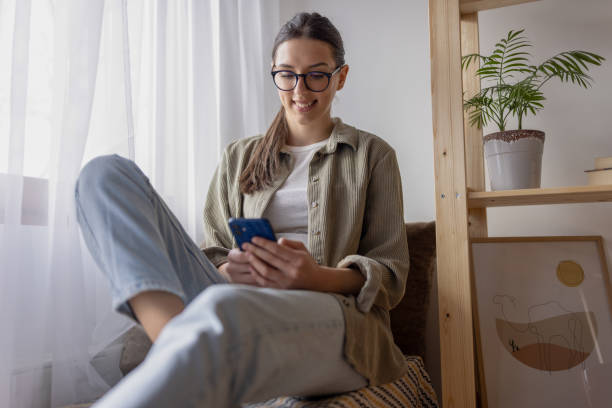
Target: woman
[307,315]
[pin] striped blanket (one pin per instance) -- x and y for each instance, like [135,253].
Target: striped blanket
[413,390]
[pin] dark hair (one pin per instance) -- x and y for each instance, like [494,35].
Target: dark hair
[264,163]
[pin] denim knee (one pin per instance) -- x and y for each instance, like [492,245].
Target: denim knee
[103,174]
[234,306]
[99,171]
[224,299]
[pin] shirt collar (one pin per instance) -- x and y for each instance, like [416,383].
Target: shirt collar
[341,133]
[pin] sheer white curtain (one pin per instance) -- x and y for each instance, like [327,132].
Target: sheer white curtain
[167,83]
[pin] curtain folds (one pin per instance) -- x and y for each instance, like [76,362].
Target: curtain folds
[166,83]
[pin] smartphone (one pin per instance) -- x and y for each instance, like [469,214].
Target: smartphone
[244,229]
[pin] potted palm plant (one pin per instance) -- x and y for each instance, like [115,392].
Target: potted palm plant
[514,157]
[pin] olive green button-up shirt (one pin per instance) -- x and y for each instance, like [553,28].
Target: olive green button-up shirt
[355,220]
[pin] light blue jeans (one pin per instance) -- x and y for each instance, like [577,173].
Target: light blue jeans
[232,343]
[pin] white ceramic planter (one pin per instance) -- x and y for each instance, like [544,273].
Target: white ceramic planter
[514,159]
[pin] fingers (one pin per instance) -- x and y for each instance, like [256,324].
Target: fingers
[262,281]
[237,256]
[238,273]
[233,268]
[282,264]
[274,248]
[237,269]
[264,273]
[268,257]
[292,243]
[237,262]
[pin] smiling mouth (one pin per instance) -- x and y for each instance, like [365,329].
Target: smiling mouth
[305,107]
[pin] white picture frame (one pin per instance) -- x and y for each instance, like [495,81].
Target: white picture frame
[543,315]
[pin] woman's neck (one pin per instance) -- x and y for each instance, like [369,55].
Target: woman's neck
[304,135]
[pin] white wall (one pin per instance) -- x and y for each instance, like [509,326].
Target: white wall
[387,91]
[576,121]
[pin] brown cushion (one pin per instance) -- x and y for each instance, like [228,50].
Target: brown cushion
[136,345]
[408,319]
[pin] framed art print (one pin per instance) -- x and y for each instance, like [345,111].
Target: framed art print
[543,318]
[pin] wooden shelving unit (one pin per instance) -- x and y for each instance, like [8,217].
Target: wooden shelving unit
[474,6]
[540,196]
[461,212]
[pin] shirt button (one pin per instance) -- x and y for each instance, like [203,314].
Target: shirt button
[314,204]
[315,179]
[317,233]
[318,259]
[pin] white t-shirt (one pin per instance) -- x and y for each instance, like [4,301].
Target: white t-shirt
[287,210]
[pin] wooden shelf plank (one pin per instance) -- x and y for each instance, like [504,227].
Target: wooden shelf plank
[539,196]
[473,6]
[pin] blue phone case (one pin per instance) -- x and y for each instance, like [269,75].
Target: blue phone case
[244,229]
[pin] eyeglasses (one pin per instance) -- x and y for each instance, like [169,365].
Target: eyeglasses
[315,81]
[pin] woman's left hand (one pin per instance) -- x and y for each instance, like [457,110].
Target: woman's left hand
[283,265]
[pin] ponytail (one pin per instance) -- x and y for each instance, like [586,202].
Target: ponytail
[264,163]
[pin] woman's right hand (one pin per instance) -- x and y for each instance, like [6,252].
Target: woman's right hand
[237,268]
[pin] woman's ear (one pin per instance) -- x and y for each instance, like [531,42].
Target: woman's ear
[343,73]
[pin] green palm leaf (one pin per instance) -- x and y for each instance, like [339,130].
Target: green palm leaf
[508,62]
[482,108]
[569,66]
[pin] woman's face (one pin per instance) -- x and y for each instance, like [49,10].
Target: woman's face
[304,107]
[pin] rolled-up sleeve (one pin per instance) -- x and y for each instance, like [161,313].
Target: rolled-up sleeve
[382,257]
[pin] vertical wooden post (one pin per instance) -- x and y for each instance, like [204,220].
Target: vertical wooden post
[477,218]
[474,158]
[452,238]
